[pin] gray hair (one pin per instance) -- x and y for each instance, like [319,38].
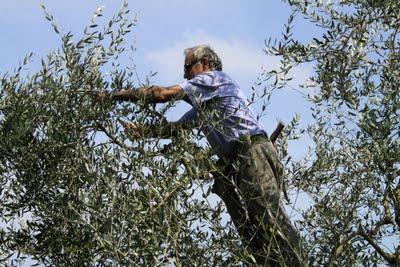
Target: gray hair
[205,51]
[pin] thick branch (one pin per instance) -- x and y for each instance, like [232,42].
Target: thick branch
[339,248]
[388,257]
[392,259]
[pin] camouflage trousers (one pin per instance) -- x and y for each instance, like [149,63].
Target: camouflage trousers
[251,187]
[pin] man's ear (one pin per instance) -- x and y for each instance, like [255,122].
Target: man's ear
[206,63]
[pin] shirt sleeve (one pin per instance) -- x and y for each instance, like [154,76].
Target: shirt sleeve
[187,87]
[200,88]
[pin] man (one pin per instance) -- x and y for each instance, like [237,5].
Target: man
[233,131]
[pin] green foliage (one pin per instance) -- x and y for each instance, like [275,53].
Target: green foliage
[76,191]
[352,176]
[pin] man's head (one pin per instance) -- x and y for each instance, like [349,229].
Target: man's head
[199,59]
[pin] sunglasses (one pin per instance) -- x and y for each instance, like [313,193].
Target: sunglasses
[188,66]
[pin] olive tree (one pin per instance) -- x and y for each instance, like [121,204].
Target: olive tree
[352,174]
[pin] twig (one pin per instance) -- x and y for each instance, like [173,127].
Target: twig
[113,139]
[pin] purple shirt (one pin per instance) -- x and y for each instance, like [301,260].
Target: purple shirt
[221,109]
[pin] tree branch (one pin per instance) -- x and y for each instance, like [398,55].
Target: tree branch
[338,249]
[388,257]
[367,236]
[113,138]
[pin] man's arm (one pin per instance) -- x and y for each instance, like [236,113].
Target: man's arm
[152,94]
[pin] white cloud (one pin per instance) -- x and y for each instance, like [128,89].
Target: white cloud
[240,58]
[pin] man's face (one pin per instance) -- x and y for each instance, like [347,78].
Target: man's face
[193,67]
